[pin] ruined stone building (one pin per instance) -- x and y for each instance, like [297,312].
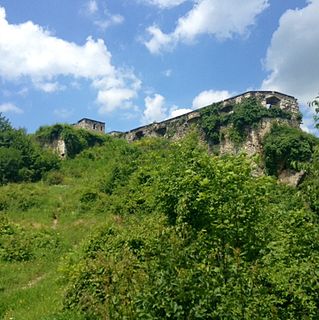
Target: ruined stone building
[90,124]
[175,128]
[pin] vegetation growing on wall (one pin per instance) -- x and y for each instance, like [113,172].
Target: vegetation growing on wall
[243,116]
[76,139]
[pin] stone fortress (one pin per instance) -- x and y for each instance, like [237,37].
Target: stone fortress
[175,128]
[180,124]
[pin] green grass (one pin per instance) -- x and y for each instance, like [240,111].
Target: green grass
[32,289]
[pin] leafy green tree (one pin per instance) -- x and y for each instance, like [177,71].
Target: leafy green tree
[10,162]
[4,123]
[21,159]
[287,148]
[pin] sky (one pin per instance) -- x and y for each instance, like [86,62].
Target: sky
[133,62]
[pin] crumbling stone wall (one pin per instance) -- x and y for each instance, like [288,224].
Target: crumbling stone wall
[176,128]
[59,146]
[90,124]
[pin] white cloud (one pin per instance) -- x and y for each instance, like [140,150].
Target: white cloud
[29,51]
[208,97]
[49,87]
[175,111]
[221,19]
[165,4]
[159,40]
[155,109]
[10,107]
[292,57]
[109,21]
[101,17]
[91,7]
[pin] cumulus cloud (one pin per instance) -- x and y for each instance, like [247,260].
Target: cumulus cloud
[221,19]
[164,4]
[29,51]
[155,109]
[208,97]
[10,107]
[292,57]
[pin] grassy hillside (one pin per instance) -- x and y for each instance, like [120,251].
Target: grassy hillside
[162,230]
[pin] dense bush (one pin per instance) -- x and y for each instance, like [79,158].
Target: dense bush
[199,238]
[310,186]
[287,148]
[76,140]
[18,244]
[21,159]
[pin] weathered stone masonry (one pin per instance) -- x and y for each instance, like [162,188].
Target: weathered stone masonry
[90,124]
[177,127]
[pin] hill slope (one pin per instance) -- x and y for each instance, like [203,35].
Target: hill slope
[158,229]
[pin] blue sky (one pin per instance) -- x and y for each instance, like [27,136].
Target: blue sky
[130,62]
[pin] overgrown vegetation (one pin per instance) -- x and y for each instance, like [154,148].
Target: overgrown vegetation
[287,148]
[244,116]
[76,140]
[21,159]
[163,230]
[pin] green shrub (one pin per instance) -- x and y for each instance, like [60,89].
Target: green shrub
[198,237]
[21,159]
[10,162]
[287,148]
[54,178]
[18,244]
[76,140]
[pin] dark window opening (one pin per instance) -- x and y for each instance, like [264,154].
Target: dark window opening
[139,135]
[272,101]
[227,108]
[161,131]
